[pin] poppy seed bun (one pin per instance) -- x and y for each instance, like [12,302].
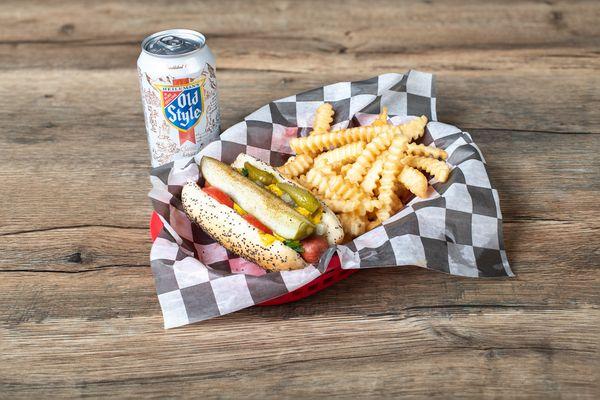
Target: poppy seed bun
[235,234]
[333,228]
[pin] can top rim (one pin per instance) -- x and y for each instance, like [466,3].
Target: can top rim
[197,36]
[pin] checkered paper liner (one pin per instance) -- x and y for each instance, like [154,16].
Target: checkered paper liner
[457,229]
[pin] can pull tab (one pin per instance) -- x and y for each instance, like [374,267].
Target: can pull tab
[172,42]
[175,42]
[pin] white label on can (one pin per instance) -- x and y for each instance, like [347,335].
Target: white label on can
[182,114]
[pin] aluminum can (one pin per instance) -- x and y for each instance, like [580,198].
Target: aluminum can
[176,70]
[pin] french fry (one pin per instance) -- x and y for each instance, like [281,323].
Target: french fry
[353,223]
[381,118]
[326,169]
[362,164]
[403,193]
[384,213]
[344,169]
[323,119]
[316,143]
[389,177]
[302,181]
[341,189]
[342,206]
[373,224]
[438,169]
[414,181]
[422,150]
[296,166]
[360,207]
[370,205]
[415,128]
[369,183]
[333,186]
[341,155]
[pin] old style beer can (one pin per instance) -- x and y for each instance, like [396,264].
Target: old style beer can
[179,94]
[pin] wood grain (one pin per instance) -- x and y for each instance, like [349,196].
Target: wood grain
[544,53]
[78,312]
[338,356]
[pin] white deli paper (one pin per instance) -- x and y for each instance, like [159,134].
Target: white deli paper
[457,229]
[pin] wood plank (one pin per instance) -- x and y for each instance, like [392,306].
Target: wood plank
[339,25]
[306,51]
[76,249]
[467,352]
[471,91]
[483,80]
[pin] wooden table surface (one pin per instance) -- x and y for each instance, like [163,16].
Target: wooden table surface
[78,311]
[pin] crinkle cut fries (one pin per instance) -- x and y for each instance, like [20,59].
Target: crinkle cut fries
[363,173]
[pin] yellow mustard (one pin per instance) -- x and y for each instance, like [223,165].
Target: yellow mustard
[273,188]
[303,211]
[317,218]
[239,209]
[266,239]
[314,219]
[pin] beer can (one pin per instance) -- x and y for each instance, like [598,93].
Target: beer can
[176,70]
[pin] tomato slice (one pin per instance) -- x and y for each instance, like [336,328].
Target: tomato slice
[218,196]
[257,224]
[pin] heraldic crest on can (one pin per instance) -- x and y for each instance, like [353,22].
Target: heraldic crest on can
[182,105]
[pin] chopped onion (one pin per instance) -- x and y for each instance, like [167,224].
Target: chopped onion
[286,197]
[320,230]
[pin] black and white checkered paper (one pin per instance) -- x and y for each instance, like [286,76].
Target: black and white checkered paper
[457,229]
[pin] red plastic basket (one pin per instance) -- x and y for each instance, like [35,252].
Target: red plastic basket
[332,274]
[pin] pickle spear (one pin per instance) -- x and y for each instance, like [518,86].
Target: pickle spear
[301,197]
[258,175]
[261,203]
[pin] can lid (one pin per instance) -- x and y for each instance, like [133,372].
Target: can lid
[173,42]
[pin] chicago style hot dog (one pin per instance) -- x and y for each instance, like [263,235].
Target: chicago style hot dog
[257,213]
